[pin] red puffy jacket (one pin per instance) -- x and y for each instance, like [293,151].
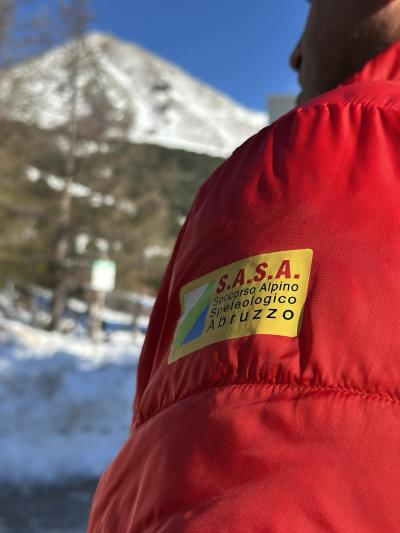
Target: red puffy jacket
[268,390]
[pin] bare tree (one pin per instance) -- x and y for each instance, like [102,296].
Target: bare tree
[75,17]
[92,117]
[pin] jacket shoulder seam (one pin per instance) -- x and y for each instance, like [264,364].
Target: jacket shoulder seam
[363,104]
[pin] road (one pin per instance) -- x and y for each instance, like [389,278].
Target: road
[46,509]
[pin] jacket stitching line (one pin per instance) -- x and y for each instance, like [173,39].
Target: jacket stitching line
[294,386]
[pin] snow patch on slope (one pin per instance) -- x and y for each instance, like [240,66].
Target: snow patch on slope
[78,190]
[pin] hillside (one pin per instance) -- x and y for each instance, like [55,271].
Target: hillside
[128,199]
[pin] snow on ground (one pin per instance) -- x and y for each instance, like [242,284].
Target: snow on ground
[65,403]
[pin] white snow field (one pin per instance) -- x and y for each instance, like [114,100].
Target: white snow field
[65,403]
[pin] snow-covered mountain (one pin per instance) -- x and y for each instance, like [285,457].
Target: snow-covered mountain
[167,106]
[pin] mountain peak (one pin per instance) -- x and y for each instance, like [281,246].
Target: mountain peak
[169,107]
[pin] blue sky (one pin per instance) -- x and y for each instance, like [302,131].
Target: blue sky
[239,47]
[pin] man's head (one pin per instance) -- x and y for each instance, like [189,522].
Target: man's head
[340,36]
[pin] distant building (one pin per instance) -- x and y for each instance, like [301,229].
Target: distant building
[279,105]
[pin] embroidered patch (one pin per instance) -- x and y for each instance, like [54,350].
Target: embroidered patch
[260,295]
